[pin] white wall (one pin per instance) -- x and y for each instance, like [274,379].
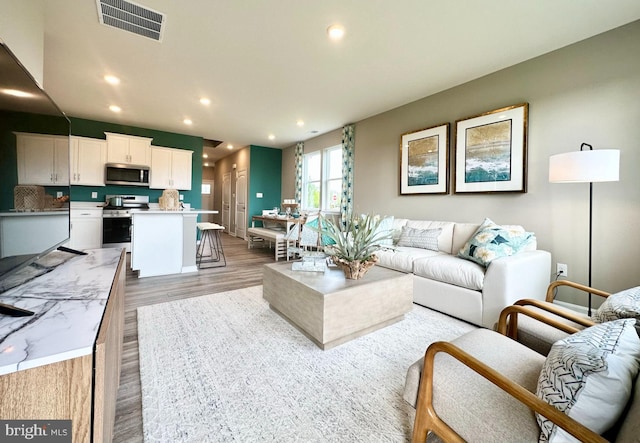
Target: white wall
[587,92]
[22,30]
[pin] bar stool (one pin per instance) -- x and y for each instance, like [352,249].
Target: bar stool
[210,235]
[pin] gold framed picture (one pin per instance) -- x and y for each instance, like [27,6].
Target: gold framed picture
[491,151]
[424,161]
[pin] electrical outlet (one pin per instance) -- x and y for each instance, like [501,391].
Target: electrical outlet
[562,269]
[94,195]
[58,194]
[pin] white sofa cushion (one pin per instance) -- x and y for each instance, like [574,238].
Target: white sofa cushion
[401,258]
[462,232]
[446,236]
[449,269]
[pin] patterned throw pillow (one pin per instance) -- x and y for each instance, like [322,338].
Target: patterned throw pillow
[589,376]
[623,304]
[493,241]
[420,238]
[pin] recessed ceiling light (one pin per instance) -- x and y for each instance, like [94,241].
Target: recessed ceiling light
[115,108]
[229,146]
[300,123]
[335,32]
[205,156]
[187,121]
[112,79]
[272,137]
[206,164]
[17,93]
[205,101]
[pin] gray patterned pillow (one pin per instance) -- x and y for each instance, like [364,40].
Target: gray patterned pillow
[420,238]
[589,376]
[623,304]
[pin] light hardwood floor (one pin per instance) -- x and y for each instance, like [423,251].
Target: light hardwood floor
[244,268]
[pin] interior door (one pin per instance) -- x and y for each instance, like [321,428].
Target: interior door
[226,201]
[241,203]
[207,200]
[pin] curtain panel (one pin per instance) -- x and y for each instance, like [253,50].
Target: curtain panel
[348,148]
[299,154]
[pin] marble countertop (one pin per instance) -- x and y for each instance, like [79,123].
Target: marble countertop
[68,302]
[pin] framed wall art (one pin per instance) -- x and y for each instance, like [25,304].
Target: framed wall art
[491,151]
[424,161]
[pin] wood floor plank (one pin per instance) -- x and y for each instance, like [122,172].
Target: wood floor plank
[244,269]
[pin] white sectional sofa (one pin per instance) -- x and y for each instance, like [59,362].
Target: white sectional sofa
[459,287]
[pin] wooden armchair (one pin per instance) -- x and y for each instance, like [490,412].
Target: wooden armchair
[522,320]
[481,387]
[427,418]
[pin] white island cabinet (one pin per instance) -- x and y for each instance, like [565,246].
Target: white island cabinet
[164,242]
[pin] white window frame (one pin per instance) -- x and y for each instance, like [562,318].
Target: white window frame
[324,181]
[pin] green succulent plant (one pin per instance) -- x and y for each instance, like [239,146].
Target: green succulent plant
[357,239]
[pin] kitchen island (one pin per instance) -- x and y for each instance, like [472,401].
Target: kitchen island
[63,363]
[164,242]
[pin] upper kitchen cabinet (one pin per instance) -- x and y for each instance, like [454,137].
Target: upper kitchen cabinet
[128,149]
[170,168]
[88,156]
[42,159]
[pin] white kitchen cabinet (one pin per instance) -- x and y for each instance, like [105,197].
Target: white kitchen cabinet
[42,159]
[128,149]
[88,156]
[86,228]
[170,168]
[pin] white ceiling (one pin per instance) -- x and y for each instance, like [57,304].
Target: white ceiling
[266,64]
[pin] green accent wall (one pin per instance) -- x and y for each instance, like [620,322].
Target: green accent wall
[96,129]
[11,122]
[265,176]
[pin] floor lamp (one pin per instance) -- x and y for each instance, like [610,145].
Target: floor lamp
[586,166]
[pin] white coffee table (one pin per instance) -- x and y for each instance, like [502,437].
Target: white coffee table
[331,310]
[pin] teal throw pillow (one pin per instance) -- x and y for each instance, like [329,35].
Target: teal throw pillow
[492,241]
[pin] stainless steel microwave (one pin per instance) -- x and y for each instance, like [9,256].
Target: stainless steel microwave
[124,174]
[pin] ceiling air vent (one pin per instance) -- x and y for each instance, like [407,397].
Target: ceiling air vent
[131,17]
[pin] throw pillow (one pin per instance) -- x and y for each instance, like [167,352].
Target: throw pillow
[420,238]
[385,228]
[493,241]
[589,376]
[623,304]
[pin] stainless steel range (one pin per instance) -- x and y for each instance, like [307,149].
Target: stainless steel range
[116,219]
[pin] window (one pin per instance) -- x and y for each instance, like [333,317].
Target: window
[322,180]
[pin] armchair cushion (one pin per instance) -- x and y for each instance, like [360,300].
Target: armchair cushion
[492,241]
[473,406]
[589,376]
[623,304]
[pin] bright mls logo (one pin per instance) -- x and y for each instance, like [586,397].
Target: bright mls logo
[37,431]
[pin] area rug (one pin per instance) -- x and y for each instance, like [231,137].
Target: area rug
[226,368]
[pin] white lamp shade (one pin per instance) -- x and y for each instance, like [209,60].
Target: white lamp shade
[602,165]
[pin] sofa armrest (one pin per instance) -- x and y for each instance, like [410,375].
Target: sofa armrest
[509,279]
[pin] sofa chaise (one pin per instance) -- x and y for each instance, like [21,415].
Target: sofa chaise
[460,287]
